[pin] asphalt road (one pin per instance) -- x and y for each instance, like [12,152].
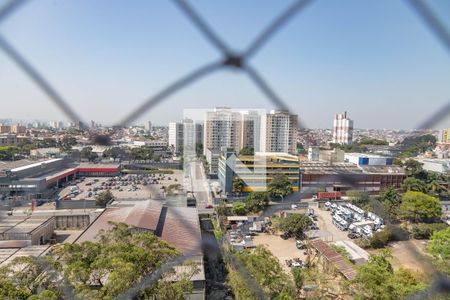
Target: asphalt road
[200,185]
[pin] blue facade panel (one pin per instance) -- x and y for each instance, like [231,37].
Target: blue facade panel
[363,161]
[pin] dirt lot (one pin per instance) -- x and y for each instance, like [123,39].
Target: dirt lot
[282,249]
[409,254]
[325,222]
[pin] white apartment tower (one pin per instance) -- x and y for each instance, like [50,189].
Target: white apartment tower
[279,132]
[222,128]
[185,134]
[176,136]
[251,130]
[148,126]
[342,129]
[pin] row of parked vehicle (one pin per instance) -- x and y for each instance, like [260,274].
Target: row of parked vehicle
[296,263]
[241,239]
[350,217]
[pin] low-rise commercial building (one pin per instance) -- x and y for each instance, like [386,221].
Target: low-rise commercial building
[45,152]
[36,229]
[257,170]
[436,165]
[368,159]
[8,140]
[348,176]
[34,178]
[332,156]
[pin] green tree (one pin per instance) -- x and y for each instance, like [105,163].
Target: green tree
[414,184]
[67,142]
[435,188]
[378,280]
[295,224]
[381,238]
[113,152]
[247,151]
[280,186]
[239,208]
[268,273]
[299,278]
[240,288]
[419,207]
[390,199]
[238,185]
[102,198]
[439,244]
[199,149]
[439,247]
[45,295]
[256,201]
[357,197]
[86,153]
[418,144]
[425,231]
[121,258]
[8,153]
[25,277]
[370,141]
[222,209]
[141,153]
[413,167]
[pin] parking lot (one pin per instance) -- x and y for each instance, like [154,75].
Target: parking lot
[130,186]
[350,220]
[325,222]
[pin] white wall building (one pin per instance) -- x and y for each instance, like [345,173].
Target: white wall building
[148,126]
[313,153]
[436,165]
[222,128]
[279,132]
[176,136]
[342,129]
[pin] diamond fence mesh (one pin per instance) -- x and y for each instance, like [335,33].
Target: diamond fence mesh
[241,62]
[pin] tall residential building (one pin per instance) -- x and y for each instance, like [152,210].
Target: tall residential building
[199,133]
[18,129]
[185,134]
[251,130]
[222,128]
[5,128]
[342,129]
[148,126]
[444,136]
[279,132]
[176,136]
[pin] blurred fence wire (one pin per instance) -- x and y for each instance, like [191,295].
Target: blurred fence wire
[230,59]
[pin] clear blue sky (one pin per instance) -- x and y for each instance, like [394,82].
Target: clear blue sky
[374,59]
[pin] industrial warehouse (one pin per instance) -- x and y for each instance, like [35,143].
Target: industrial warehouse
[37,178]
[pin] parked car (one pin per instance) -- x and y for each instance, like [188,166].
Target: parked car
[300,244]
[285,236]
[352,235]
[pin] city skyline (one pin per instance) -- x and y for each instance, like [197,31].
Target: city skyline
[320,63]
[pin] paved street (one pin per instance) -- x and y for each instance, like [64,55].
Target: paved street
[199,184]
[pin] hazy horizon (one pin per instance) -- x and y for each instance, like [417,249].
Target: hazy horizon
[375,60]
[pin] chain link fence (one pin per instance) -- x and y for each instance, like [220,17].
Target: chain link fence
[230,59]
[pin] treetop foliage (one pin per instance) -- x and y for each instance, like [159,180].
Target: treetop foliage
[122,257]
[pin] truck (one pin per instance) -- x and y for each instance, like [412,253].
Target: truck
[329,195]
